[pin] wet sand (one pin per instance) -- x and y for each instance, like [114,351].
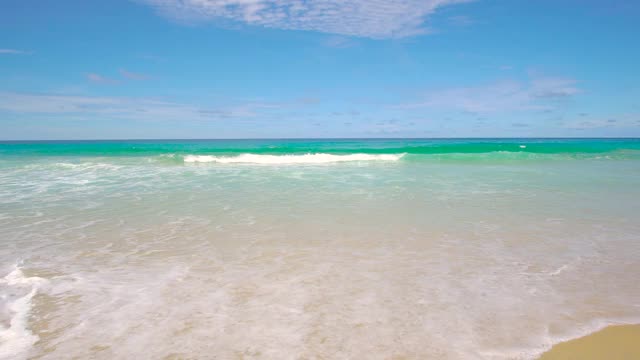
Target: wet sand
[612,343]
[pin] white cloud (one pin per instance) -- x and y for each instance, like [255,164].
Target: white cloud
[133,76]
[553,87]
[619,121]
[128,75]
[13,52]
[103,107]
[538,93]
[97,78]
[362,18]
[89,105]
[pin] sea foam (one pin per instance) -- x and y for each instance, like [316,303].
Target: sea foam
[16,293]
[290,159]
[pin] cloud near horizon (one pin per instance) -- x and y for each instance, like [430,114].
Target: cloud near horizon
[105,107]
[376,19]
[590,123]
[13,52]
[538,94]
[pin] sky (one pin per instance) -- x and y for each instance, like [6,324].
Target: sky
[140,69]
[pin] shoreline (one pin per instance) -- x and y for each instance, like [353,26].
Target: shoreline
[611,342]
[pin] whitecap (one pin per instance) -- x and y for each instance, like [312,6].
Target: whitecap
[290,159]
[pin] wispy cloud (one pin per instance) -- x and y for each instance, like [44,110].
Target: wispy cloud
[308,100]
[362,18]
[127,75]
[127,108]
[97,78]
[588,123]
[338,42]
[553,87]
[538,93]
[461,20]
[133,76]
[13,52]
[120,107]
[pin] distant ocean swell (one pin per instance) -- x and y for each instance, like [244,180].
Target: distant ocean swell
[187,149]
[310,152]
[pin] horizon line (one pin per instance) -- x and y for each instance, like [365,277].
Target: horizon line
[330,138]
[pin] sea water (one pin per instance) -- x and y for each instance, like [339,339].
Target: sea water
[315,249]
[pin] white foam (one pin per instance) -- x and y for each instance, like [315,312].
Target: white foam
[290,159]
[87,166]
[17,339]
[547,342]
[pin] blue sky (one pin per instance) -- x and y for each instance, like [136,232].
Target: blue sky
[94,69]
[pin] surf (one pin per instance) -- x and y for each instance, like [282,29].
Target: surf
[290,159]
[17,292]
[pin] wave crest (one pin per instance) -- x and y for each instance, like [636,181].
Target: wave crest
[290,159]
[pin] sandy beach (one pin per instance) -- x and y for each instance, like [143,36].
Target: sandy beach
[613,343]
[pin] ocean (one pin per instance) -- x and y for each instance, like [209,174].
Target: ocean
[315,249]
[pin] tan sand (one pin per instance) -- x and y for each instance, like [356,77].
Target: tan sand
[611,343]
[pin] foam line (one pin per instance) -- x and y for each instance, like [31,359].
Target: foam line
[290,159]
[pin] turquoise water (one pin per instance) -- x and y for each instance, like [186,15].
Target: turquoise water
[493,148]
[275,249]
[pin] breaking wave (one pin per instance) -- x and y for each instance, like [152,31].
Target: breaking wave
[290,159]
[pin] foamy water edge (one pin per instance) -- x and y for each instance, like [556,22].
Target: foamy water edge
[16,339]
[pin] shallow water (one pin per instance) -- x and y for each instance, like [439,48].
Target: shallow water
[450,249]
